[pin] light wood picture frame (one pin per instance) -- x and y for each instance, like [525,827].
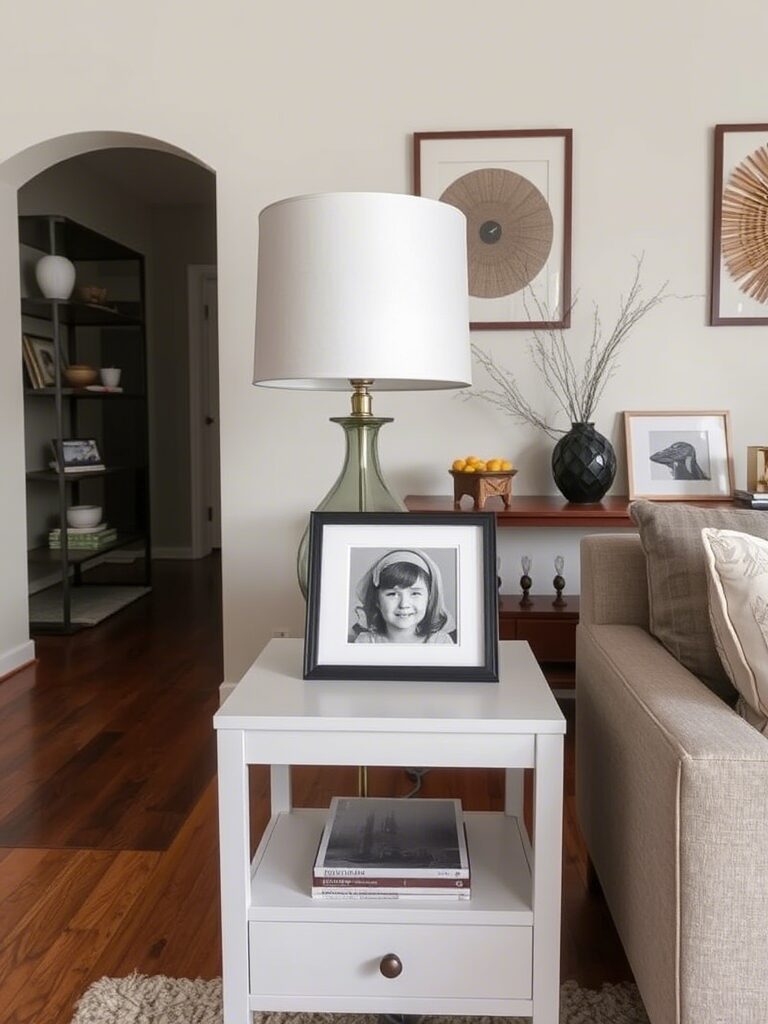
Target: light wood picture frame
[514,187]
[678,455]
[739,280]
[40,360]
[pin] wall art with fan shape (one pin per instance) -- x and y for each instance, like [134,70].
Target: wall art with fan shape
[739,291]
[514,188]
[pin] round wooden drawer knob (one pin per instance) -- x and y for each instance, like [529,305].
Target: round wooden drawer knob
[391,966]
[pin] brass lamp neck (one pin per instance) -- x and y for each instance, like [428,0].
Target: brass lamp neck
[361,398]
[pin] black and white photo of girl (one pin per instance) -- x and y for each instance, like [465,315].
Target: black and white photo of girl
[403,596]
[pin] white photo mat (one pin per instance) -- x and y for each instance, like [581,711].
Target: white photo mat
[337,585]
[544,160]
[656,433]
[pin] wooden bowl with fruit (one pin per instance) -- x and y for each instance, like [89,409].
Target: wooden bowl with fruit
[481,479]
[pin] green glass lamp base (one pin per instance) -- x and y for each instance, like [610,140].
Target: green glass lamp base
[360,486]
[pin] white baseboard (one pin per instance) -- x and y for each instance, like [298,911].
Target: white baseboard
[172,553]
[14,659]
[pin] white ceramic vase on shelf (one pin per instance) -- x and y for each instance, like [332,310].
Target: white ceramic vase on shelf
[55,276]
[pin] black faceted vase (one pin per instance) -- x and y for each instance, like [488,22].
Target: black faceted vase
[583,464]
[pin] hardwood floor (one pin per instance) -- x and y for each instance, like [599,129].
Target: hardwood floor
[108,833]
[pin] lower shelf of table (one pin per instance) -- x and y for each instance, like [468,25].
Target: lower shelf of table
[469,956]
[499,864]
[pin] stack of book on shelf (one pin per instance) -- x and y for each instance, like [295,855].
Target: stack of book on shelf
[84,538]
[388,849]
[751,499]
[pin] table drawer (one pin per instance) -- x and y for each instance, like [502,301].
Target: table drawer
[322,959]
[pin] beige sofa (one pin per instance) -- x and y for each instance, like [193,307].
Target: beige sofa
[672,797]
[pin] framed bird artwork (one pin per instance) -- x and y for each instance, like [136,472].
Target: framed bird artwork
[677,455]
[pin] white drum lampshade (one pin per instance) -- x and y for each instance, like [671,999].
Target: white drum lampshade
[360,291]
[362,286]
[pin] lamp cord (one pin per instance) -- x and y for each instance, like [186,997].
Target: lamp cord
[416,775]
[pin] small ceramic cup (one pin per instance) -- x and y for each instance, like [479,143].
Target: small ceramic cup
[110,376]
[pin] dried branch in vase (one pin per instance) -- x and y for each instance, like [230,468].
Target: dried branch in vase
[577,391]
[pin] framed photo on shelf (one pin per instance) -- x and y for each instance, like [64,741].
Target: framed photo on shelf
[739,288]
[515,189]
[78,455]
[39,360]
[677,455]
[402,596]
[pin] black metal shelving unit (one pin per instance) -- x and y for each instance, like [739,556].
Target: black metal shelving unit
[113,335]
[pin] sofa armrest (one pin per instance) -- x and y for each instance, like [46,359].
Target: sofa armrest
[614,582]
[671,792]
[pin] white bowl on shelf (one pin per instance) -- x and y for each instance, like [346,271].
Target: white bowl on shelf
[84,515]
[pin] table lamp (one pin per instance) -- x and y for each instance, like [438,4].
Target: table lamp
[361,291]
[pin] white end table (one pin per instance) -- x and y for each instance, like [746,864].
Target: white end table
[497,954]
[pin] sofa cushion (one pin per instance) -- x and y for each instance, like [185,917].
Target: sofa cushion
[737,575]
[670,533]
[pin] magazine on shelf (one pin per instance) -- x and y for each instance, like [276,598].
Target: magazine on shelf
[342,896]
[389,838]
[377,882]
[81,531]
[84,542]
[444,888]
[753,499]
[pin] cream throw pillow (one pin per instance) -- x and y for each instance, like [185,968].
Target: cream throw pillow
[737,578]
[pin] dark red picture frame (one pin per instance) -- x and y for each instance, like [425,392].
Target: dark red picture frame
[566,134]
[717,318]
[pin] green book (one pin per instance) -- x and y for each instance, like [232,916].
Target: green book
[84,543]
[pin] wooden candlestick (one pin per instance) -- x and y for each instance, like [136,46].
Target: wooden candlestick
[525,582]
[559,582]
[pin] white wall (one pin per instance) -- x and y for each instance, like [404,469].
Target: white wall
[284,99]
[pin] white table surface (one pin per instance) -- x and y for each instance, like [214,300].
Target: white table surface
[272,695]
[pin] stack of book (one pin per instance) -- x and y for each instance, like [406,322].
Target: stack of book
[389,849]
[84,538]
[751,499]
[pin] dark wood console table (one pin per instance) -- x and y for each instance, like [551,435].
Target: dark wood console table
[550,631]
[536,510]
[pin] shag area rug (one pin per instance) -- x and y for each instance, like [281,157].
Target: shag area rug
[158,1000]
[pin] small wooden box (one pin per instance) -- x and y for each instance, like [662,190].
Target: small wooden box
[480,486]
[757,468]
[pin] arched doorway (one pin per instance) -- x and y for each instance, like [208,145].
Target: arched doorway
[24,176]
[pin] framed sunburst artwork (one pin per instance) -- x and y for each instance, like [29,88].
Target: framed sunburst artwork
[514,187]
[739,293]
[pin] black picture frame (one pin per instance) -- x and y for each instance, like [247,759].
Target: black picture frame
[80,455]
[455,556]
